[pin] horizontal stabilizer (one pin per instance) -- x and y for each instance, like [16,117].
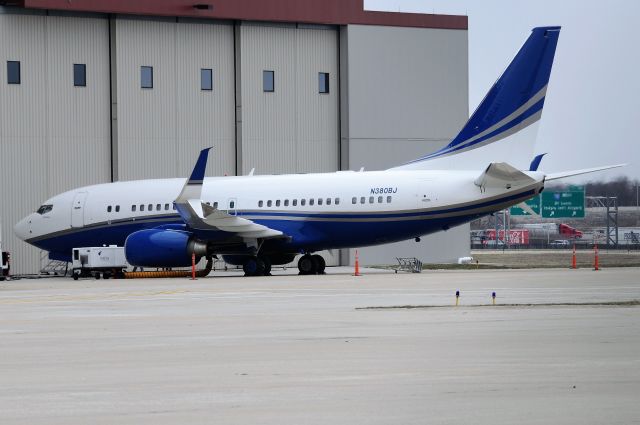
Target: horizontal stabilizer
[564,174]
[503,175]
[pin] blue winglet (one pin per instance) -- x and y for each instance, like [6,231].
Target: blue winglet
[197,175]
[536,162]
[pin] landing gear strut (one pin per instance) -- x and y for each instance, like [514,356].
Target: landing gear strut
[311,264]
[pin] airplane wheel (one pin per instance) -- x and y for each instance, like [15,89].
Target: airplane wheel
[253,267]
[97,276]
[267,266]
[319,263]
[306,265]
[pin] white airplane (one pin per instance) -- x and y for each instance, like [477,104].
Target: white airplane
[257,221]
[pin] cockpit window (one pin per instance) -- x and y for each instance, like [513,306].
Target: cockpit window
[44,209]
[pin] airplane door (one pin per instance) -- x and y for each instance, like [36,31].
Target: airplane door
[232,205]
[77,210]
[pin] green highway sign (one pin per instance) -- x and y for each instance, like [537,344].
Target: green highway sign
[563,204]
[534,203]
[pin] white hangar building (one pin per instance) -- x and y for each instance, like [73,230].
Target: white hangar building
[102,90]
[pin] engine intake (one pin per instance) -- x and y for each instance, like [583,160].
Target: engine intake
[162,248]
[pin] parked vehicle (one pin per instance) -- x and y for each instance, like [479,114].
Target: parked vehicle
[560,243]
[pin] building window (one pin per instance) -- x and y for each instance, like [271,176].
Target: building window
[146,77]
[13,72]
[323,82]
[268,81]
[206,79]
[79,75]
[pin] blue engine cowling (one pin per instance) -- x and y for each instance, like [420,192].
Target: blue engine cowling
[162,248]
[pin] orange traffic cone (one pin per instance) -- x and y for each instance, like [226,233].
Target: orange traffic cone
[596,265]
[357,272]
[193,266]
[573,258]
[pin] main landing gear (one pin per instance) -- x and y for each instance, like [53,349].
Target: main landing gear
[257,266]
[311,264]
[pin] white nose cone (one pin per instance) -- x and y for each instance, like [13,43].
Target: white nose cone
[22,229]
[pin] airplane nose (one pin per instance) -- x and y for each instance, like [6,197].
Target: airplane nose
[22,229]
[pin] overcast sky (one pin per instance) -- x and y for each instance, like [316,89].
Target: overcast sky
[592,110]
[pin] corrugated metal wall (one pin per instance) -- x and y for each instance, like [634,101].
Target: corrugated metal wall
[294,128]
[53,136]
[161,129]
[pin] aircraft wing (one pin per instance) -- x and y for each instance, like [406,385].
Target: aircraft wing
[200,216]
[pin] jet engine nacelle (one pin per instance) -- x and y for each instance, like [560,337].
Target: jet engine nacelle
[162,248]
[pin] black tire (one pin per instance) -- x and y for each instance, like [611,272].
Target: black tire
[97,276]
[267,266]
[320,264]
[306,265]
[253,266]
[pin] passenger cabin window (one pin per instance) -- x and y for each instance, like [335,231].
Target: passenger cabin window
[141,207]
[232,205]
[260,204]
[166,207]
[303,202]
[354,200]
[174,206]
[117,208]
[44,209]
[311,201]
[286,202]
[158,207]
[319,201]
[362,200]
[328,201]
[109,208]
[379,199]
[269,203]
[133,208]
[388,199]
[371,199]
[337,201]
[295,202]
[215,205]
[150,207]
[277,202]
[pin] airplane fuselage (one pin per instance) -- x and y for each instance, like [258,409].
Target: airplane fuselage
[315,211]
